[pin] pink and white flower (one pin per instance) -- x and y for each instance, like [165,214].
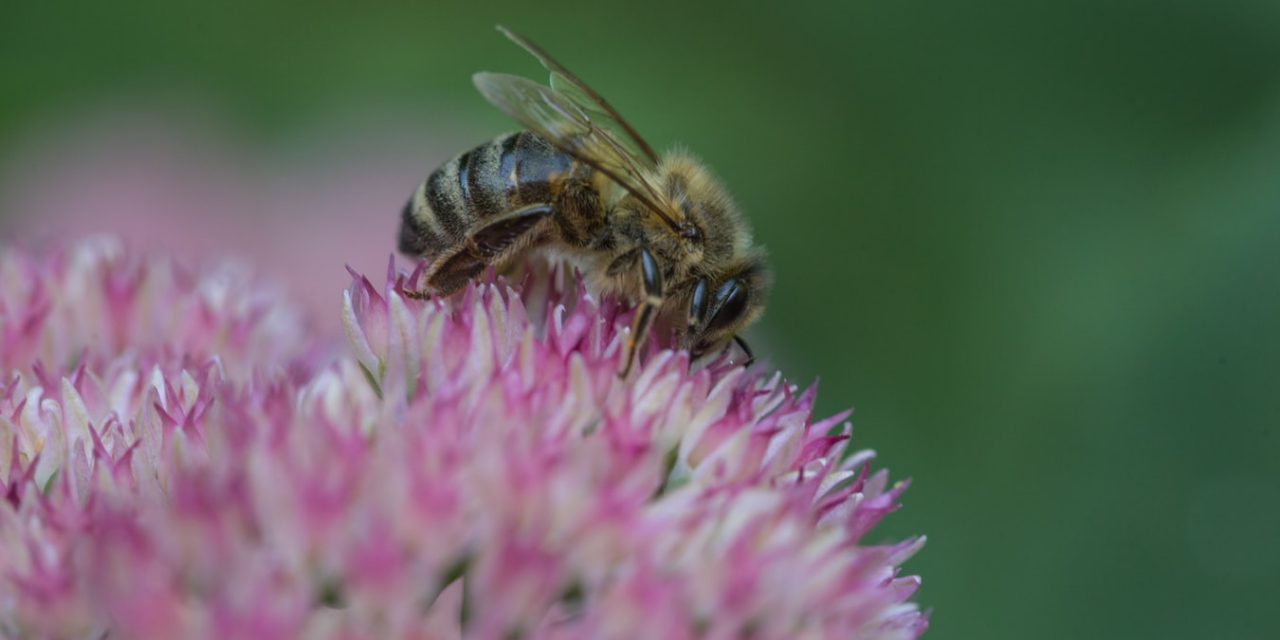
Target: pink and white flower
[182,456]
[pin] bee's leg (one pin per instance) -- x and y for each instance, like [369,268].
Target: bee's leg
[742,344]
[483,247]
[651,281]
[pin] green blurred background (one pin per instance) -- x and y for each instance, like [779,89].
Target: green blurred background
[1037,245]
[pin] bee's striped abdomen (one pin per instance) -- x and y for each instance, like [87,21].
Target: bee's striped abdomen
[512,171]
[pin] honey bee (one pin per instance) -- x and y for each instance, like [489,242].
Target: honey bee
[580,181]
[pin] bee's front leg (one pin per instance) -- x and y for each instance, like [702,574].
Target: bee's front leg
[652,290]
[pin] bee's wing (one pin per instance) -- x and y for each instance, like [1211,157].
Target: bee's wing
[565,124]
[581,94]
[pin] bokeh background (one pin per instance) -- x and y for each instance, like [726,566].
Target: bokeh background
[1037,245]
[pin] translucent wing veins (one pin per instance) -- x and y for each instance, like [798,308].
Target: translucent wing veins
[566,124]
[573,87]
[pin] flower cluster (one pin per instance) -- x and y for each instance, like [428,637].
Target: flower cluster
[182,457]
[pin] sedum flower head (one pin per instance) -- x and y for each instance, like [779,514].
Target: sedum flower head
[181,457]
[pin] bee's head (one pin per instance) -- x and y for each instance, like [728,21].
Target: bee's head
[721,309]
[708,220]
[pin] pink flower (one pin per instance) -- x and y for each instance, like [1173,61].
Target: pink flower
[181,459]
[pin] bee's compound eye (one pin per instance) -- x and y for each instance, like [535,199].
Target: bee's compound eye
[727,305]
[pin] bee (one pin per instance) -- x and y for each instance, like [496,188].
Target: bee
[580,181]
